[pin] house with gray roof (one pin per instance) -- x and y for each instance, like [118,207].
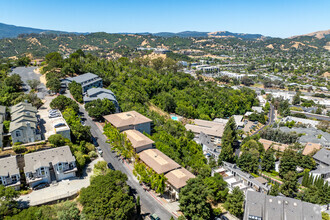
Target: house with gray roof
[24,123]
[87,81]
[101,93]
[49,165]
[322,158]
[2,113]
[209,148]
[9,172]
[259,206]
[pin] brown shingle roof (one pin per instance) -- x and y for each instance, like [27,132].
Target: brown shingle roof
[276,146]
[178,178]
[137,138]
[126,118]
[310,147]
[158,161]
[207,127]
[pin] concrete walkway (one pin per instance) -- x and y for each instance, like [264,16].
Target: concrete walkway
[59,190]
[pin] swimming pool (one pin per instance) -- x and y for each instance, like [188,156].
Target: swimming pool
[174,118]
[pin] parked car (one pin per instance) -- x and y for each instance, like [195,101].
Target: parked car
[110,166]
[154,217]
[54,115]
[99,150]
[59,125]
[223,217]
[40,186]
[95,142]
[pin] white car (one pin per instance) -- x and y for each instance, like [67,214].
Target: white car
[99,150]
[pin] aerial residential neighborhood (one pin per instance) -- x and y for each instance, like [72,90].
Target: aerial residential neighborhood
[181,110]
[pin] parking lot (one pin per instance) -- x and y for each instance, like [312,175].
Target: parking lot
[46,124]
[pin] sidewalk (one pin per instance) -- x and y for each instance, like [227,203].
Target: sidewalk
[59,190]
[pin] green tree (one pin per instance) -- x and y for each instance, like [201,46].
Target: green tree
[61,102]
[296,99]
[107,197]
[275,190]
[268,161]
[228,139]
[57,140]
[193,200]
[290,186]
[248,162]
[14,81]
[8,203]
[217,188]
[98,108]
[288,162]
[33,83]
[234,202]
[76,91]
[54,84]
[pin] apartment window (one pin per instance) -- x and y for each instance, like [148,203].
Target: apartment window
[42,171]
[18,133]
[1,181]
[60,166]
[14,178]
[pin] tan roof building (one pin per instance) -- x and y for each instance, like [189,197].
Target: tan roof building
[129,120]
[158,161]
[178,178]
[211,128]
[276,146]
[310,148]
[139,141]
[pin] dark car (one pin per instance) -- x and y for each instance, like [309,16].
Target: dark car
[110,166]
[40,186]
[224,218]
[95,142]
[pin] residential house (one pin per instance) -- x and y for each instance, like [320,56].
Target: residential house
[158,161]
[257,109]
[9,172]
[209,148]
[308,122]
[61,127]
[129,120]
[139,141]
[322,158]
[310,148]
[24,123]
[213,129]
[87,81]
[50,165]
[101,93]
[235,177]
[176,180]
[310,135]
[275,145]
[259,206]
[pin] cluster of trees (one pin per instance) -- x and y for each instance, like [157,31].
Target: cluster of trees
[108,197]
[229,139]
[98,108]
[119,141]
[149,177]
[279,136]
[76,91]
[61,103]
[260,117]
[282,105]
[53,82]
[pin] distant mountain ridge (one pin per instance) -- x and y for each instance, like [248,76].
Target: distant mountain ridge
[317,34]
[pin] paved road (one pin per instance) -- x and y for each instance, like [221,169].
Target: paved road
[271,117]
[26,74]
[311,115]
[148,203]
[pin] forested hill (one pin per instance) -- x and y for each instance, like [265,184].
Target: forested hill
[112,45]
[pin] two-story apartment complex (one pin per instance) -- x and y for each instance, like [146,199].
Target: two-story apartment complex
[87,81]
[131,120]
[24,123]
[9,172]
[49,165]
[139,141]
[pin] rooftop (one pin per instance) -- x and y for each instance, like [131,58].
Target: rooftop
[14,125]
[137,138]
[212,128]
[260,206]
[126,118]
[42,158]
[84,77]
[323,155]
[8,166]
[178,178]
[23,106]
[158,161]
[276,146]
[310,148]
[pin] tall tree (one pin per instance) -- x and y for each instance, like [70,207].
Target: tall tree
[33,83]
[234,202]
[288,162]
[8,203]
[275,190]
[228,140]
[290,186]
[268,161]
[248,162]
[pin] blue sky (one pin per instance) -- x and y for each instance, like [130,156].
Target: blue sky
[277,18]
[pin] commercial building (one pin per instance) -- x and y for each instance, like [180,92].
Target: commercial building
[131,120]
[259,206]
[49,165]
[24,123]
[87,81]
[139,141]
[101,93]
[9,172]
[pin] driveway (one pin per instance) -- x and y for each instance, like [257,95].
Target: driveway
[27,73]
[59,190]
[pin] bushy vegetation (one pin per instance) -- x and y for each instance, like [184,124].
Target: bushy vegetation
[76,91]
[279,136]
[61,102]
[98,108]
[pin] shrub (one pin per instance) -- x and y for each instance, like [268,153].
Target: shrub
[57,140]
[19,149]
[92,154]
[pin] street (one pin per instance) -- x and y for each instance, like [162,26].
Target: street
[271,118]
[148,202]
